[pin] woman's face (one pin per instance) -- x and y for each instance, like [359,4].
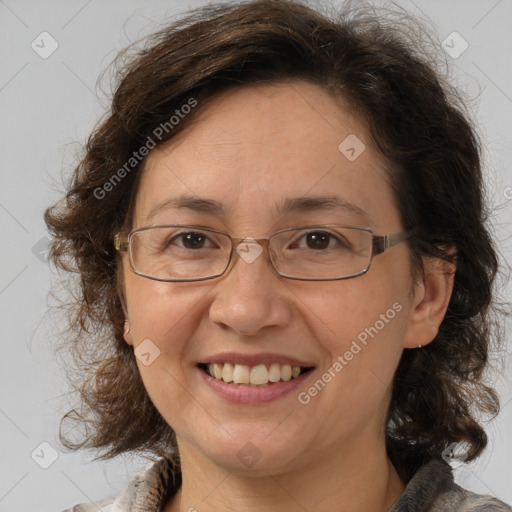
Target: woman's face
[251,150]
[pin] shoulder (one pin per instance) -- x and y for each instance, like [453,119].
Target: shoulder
[148,488]
[103,506]
[458,499]
[432,489]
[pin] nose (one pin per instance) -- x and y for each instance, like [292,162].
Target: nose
[250,295]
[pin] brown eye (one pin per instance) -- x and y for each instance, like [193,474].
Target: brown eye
[193,240]
[318,240]
[190,240]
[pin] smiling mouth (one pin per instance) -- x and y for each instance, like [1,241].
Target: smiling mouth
[258,375]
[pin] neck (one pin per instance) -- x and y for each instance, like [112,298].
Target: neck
[357,481]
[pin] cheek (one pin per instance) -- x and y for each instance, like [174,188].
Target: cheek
[361,324]
[166,313]
[146,299]
[346,308]
[361,337]
[358,328]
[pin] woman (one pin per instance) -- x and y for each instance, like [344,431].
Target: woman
[285,273]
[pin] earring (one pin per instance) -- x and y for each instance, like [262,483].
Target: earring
[419,346]
[127,330]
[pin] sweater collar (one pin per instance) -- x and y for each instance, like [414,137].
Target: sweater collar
[424,487]
[150,491]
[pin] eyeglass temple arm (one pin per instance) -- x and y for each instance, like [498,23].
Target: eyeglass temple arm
[382,243]
[121,242]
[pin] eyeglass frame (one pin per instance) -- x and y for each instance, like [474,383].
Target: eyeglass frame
[380,244]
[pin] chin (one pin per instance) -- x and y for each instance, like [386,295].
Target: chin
[253,454]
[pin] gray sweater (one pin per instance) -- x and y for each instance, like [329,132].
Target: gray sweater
[431,489]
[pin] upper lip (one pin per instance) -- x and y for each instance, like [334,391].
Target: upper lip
[265,358]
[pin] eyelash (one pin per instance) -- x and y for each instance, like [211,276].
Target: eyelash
[300,237]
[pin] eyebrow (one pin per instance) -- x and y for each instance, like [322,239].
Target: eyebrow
[289,205]
[321,203]
[186,202]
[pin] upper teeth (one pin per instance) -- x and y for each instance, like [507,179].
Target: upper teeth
[257,375]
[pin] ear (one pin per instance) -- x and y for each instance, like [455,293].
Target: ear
[128,337]
[127,334]
[431,297]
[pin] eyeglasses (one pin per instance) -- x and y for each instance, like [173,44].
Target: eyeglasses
[310,253]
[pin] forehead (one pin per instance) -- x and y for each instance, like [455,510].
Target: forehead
[252,149]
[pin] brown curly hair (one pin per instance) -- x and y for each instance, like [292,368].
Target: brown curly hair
[417,122]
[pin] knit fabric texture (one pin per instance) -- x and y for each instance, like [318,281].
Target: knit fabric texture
[431,489]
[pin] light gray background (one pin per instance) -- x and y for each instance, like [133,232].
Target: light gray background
[50,105]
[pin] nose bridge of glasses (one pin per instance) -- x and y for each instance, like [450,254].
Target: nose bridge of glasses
[250,240]
[249,248]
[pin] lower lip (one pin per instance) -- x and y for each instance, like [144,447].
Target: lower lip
[240,394]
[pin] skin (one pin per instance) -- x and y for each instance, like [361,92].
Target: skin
[250,149]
